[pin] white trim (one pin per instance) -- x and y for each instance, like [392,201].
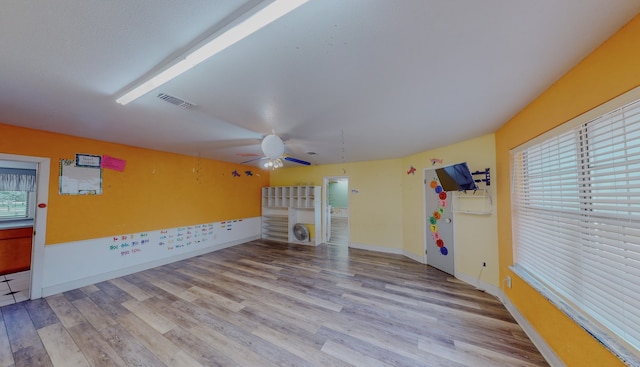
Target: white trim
[615,345]
[536,339]
[63,287]
[76,264]
[424,216]
[323,214]
[544,212]
[480,285]
[325,204]
[387,250]
[414,257]
[40,220]
[544,348]
[594,113]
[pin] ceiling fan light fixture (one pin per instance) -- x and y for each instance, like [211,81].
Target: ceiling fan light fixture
[274,163]
[240,30]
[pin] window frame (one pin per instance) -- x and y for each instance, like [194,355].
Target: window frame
[623,350]
[29,210]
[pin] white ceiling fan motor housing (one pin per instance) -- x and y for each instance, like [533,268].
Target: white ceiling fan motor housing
[272,146]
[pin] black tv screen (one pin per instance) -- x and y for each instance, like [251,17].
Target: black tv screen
[456,178]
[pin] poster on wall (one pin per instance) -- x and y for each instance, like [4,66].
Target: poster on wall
[76,180]
[113,163]
[88,160]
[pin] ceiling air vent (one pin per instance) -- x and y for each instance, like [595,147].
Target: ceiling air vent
[176,101]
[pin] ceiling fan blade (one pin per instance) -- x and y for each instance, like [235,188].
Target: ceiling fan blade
[252,160]
[296,160]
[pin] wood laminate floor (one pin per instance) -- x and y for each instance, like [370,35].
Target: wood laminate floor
[339,231]
[269,304]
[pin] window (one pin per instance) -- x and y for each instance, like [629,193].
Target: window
[15,205]
[576,222]
[17,196]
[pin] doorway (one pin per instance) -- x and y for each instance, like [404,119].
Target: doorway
[24,227]
[439,241]
[336,211]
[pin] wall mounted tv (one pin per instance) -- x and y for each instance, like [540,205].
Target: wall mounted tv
[456,177]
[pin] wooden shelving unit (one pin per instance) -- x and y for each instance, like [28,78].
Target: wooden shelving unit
[284,206]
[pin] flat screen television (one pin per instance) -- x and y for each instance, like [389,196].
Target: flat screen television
[457,177]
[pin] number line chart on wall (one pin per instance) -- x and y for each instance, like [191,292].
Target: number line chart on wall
[169,239]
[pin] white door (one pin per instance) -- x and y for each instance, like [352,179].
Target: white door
[439,224]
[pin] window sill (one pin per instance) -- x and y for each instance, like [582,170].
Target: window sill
[621,351]
[9,224]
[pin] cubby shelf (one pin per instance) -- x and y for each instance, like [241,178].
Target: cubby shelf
[285,206]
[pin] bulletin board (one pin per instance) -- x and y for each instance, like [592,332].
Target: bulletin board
[75,180]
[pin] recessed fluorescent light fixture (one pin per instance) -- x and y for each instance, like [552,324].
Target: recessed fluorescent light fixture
[235,33]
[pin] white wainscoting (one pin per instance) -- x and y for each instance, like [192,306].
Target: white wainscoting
[73,265]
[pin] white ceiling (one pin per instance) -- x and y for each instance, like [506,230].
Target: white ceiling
[350,80]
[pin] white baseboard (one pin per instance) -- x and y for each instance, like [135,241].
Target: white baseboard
[536,339]
[481,285]
[64,287]
[546,351]
[387,250]
[72,265]
[414,257]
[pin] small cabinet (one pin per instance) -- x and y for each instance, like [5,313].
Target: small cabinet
[15,249]
[285,206]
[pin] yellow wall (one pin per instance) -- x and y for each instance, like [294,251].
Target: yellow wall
[156,190]
[389,210]
[475,235]
[376,212]
[611,70]
[161,190]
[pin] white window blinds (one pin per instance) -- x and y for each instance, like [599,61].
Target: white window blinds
[576,218]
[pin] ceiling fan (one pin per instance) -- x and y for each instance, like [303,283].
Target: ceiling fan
[273,150]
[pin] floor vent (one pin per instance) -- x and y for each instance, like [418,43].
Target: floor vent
[176,101]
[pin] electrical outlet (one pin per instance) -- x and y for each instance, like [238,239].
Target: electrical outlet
[508,281]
